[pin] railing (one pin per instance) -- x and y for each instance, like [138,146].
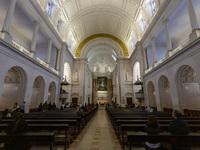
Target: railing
[185,43]
[55,71]
[22,49]
[148,69]
[42,62]
[181,46]
[160,61]
[25,51]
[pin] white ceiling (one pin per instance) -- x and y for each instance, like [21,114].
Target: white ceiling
[83,18]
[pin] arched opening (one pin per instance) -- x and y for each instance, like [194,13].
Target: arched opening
[67,72]
[136,75]
[14,87]
[67,76]
[151,95]
[165,93]
[37,92]
[189,93]
[52,92]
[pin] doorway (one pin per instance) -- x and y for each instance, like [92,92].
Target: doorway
[75,101]
[129,100]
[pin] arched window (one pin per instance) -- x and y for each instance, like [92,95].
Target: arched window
[136,71]
[151,5]
[142,22]
[67,72]
[132,43]
[51,5]
[71,44]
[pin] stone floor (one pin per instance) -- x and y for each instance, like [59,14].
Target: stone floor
[97,135]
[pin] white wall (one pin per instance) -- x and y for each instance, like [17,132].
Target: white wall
[10,57]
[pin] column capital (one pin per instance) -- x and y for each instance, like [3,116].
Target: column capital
[36,23]
[165,20]
[49,39]
[152,38]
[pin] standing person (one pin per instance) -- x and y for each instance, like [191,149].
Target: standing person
[178,126]
[45,106]
[40,107]
[49,106]
[54,106]
[22,107]
[152,127]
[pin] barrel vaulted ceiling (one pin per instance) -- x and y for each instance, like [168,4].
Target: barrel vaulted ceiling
[83,18]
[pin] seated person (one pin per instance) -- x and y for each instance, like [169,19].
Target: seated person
[6,114]
[81,113]
[149,109]
[17,126]
[62,106]
[178,126]
[152,127]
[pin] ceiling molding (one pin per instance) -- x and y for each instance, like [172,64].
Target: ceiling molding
[82,44]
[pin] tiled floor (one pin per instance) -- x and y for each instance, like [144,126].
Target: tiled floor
[97,135]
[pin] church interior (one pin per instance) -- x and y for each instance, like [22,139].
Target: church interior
[114,55]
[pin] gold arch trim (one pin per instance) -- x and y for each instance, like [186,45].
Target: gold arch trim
[78,51]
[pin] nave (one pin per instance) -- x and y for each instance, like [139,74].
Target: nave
[97,135]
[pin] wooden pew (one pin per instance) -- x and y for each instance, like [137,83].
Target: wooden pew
[49,128]
[191,138]
[34,137]
[73,123]
[140,127]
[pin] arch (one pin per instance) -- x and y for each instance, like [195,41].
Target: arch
[165,93]
[151,94]
[82,44]
[52,92]
[14,87]
[67,72]
[104,43]
[37,92]
[136,71]
[188,88]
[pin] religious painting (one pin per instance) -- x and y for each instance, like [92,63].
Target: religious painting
[102,83]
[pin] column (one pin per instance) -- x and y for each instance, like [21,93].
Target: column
[63,48]
[193,20]
[168,39]
[145,59]
[34,38]
[49,51]
[58,60]
[153,51]
[7,22]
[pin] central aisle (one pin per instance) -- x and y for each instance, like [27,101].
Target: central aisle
[97,135]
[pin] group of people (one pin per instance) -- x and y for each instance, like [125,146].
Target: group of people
[177,126]
[46,106]
[8,113]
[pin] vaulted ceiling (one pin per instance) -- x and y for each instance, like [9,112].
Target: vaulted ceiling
[83,18]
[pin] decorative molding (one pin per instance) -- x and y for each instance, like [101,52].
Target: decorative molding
[82,44]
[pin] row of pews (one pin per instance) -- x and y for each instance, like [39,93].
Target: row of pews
[51,128]
[129,126]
